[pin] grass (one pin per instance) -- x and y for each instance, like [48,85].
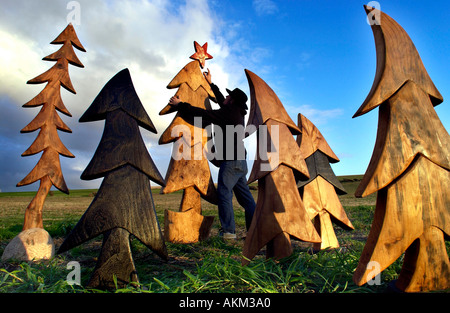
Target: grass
[209,266]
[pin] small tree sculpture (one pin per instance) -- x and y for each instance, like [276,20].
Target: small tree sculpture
[48,169]
[188,168]
[410,168]
[124,203]
[320,191]
[279,213]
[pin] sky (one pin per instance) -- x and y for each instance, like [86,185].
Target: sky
[317,55]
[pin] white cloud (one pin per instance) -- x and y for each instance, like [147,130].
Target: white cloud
[265,7]
[316,116]
[18,58]
[154,39]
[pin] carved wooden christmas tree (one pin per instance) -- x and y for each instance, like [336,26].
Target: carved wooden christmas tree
[320,191]
[188,168]
[124,203]
[48,169]
[279,213]
[410,168]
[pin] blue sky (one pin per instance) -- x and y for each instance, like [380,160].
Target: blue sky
[318,56]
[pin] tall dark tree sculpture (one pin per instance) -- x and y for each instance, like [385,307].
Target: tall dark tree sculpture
[124,203]
[188,168]
[410,168]
[320,192]
[279,213]
[48,169]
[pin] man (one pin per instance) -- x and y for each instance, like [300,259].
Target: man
[230,152]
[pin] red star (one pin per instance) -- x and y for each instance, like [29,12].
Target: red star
[201,54]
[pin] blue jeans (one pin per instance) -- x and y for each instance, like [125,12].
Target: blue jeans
[232,178]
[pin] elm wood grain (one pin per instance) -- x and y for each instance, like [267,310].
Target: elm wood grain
[47,116]
[58,72]
[318,165]
[33,214]
[48,122]
[412,213]
[48,168]
[279,215]
[68,35]
[121,144]
[311,139]
[192,76]
[188,225]
[323,205]
[51,94]
[324,227]
[281,149]
[67,52]
[118,92]
[184,173]
[279,247]
[421,270]
[397,62]
[123,200]
[409,169]
[320,195]
[195,178]
[194,89]
[179,226]
[188,168]
[408,125]
[123,204]
[265,104]
[115,260]
[320,192]
[190,200]
[185,126]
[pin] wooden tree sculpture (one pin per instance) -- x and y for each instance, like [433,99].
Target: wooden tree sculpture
[320,191]
[48,169]
[279,213]
[410,168]
[123,204]
[188,168]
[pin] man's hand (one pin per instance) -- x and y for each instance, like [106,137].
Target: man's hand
[174,101]
[207,75]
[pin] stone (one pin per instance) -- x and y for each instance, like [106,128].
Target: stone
[30,245]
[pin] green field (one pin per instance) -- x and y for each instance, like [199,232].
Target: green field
[209,266]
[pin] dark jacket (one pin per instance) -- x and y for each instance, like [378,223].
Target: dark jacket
[230,119]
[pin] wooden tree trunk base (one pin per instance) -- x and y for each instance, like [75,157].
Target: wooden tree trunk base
[324,227]
[115,260]
[426,266]
[191,200]
[279,247]
[33,214]
[186,227]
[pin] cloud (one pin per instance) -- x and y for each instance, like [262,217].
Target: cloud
[154,39]
[265,7]
[316,116]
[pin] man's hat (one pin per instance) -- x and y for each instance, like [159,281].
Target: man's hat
[238,96]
